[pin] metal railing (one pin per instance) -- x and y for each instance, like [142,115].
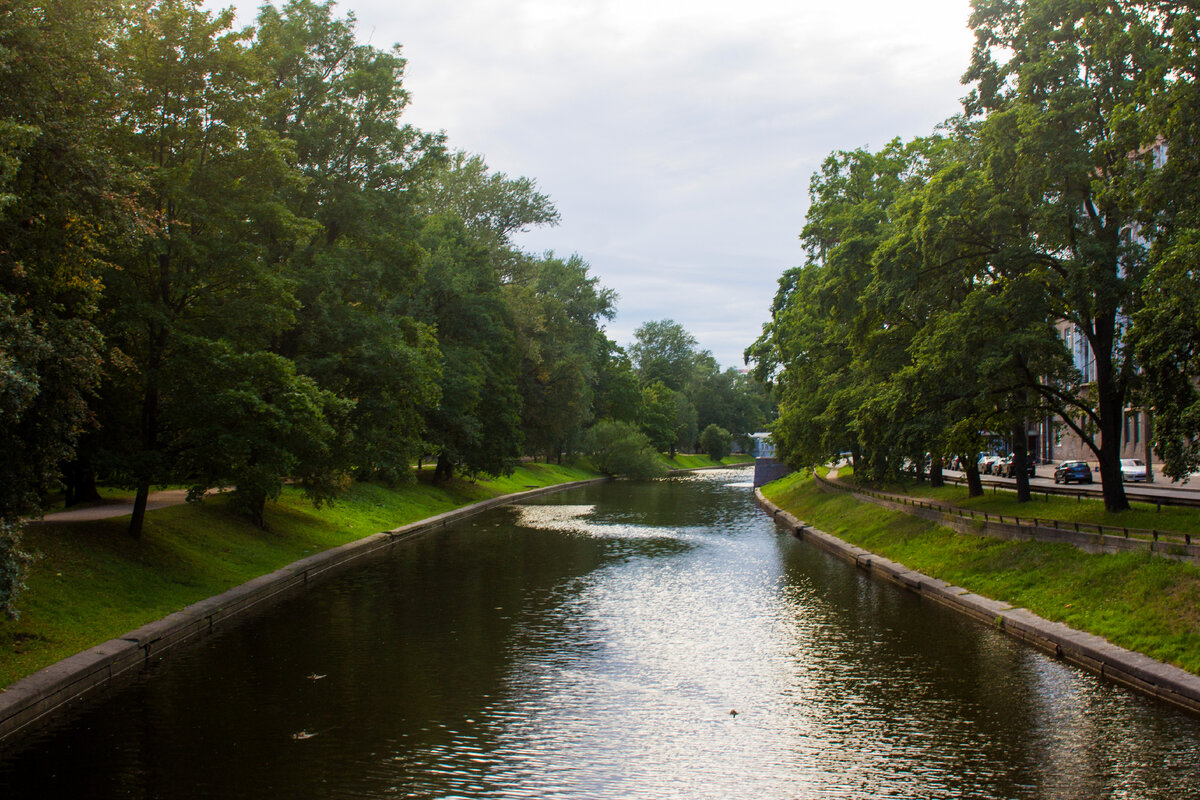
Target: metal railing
[1009,519]
[1158,501]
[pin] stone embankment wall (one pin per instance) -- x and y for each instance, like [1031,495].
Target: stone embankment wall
[45,694]
[1133,670]
[769,469]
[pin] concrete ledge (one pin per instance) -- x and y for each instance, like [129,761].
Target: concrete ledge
[40,697]
[1135,671]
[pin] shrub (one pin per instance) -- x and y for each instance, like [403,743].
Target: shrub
[619,448]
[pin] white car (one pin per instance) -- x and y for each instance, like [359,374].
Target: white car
[1132,469]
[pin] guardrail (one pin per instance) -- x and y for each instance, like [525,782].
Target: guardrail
[1181,500]
[1149,535]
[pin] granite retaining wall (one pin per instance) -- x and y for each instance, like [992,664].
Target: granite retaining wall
[43,696]
[1133,670]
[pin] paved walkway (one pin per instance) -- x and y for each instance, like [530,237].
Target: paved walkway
[120,507]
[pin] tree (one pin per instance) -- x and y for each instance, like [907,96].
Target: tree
[663,351]
[1166,329]
[341,104]
[475,428]
[619,448]
[58,204]
[1062,86]
[250,421]
[716,442]
[201,267]
[558,308]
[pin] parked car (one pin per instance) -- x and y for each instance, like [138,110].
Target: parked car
[1068,471]
[1010,466]
[987,463]
[1002,466]
[1132,469]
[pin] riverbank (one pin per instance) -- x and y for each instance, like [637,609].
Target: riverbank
[90,582]
[700,461]
[1141,603]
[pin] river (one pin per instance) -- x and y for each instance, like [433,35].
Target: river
[630,640]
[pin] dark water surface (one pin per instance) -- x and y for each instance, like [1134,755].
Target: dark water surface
[593,645]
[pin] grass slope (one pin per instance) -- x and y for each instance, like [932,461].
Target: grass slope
[1143,603]
[91,582]
[699,460]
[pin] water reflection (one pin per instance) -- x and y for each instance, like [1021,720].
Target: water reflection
[594,645]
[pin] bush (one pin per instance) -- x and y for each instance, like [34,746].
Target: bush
[716,442]
[619,448]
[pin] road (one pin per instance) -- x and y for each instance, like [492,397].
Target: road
[1162,489]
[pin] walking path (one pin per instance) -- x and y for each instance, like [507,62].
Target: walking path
[118,507]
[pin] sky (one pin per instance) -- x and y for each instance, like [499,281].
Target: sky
[675,137]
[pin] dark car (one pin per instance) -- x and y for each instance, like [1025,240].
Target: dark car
[1068,471]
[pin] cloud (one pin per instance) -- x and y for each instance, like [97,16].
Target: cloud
[677,137]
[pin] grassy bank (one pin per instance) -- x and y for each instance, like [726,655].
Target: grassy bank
[698,461]
[91,582]
[1143,603]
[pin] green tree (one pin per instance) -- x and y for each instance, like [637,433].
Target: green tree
[619,448]
[558,309]
[341,104]
[250,421]
[1166,330]
[209,177]
[58,206]
[476,426]
[716,442]
[1061,87]
[663,351]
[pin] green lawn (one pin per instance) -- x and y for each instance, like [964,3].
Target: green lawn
[91,582]
[699,460]
[1140,602]
[1089,510]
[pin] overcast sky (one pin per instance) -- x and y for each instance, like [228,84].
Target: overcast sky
[676,137]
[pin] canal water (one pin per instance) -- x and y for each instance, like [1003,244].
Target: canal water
[631,640]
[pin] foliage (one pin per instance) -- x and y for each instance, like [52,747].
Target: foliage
[716,442]
[619,448]
[946,276]
[58,208]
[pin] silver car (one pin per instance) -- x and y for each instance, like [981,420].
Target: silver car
[1132,469]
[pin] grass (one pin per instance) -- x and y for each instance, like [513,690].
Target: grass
[1141,515]
[1143,603]
[699,460]
[91,582]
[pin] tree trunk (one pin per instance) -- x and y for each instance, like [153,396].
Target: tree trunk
[1148,439]
[936,480]
[139,508]
[1112,411]
[149,443]
[443,471]
[974,482]
[1020,462]
[80,480]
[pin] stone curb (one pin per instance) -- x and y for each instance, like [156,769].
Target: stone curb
[40,697]
[1135,671]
